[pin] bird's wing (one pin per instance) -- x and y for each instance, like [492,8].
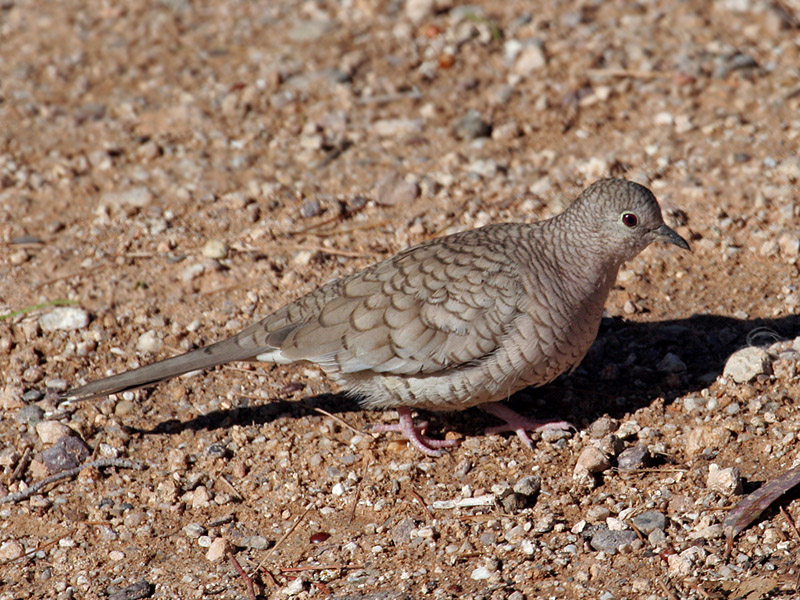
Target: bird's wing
[433,307]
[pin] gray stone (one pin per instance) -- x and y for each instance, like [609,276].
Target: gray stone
[29,415]
[649,521]
[634,457]
[472,126]
[610,542]
[67,453]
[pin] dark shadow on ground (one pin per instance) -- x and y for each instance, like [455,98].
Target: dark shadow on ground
[627,368]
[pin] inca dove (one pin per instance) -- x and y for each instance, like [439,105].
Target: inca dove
[459,321]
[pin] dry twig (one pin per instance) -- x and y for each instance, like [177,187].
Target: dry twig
[251,592]
[422,503]
[119,463]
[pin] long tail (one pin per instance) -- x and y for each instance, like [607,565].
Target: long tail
[238,347]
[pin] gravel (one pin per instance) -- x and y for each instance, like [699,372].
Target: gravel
[141,139]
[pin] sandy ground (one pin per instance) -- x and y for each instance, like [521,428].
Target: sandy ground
[171,170]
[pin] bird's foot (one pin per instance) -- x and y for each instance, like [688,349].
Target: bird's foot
[519,424]
[413,433]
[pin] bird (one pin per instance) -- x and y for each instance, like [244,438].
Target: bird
[455,322]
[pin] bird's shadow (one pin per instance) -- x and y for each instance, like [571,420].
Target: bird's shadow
[628,367]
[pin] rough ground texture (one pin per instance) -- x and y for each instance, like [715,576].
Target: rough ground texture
[175,169]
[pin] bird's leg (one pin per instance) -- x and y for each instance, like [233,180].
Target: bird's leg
[413,433]
[519,424]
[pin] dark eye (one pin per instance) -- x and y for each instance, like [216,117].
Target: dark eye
[630,219]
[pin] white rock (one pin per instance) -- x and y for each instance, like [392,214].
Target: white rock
[397,127]
[615,524]
[52,431]
[679,566]
[664,118]
[532,58]
[200,497]
[746,364]
[66,318]
[789,244]
[215,249]
[149,342]
[418,10]
[294,587]
[137,197]
[486,168]
[11,549]
[481,573]
[193,272]
[725,481]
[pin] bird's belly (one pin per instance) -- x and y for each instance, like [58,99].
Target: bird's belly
[458,389]
[534,358]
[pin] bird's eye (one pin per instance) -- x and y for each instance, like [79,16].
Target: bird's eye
[630,219]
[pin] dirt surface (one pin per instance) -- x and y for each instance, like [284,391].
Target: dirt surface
[172,170]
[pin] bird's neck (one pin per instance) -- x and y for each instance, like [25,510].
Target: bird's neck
[582,255]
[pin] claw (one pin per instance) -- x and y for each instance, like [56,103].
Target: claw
[519,424]
[413,433]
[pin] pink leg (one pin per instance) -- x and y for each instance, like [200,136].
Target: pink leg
[519,424]
[413,433]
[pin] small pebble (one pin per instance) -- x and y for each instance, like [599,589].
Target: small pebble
[471,126]
[528,486]
[597,514]
[254,542]
[52,431]
[591,461]
[33,395]
[671,363]
[194,530]
[11,549]
[649,521]
[138,197]
[635,457]
[602,427]
[724,481]
[135,591]
[418,10]
[657,537]
[294,587]
[200,497]
[531,59]
[29,415]
[481,573]
[215,249]
[310,208]
[392,189]
[746,364]
[610,542]
[57,384]
[67,453]
[149,342]
[217,550]
[66,318]
[397,128]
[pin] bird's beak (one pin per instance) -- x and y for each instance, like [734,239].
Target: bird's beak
[667,234]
